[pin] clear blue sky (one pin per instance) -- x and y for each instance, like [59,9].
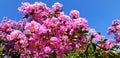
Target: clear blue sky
[99,13]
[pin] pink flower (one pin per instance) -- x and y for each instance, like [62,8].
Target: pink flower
[115,22]
[111,29]
[21,24]
[99,37]
[11,23]
[25,8]
[54,21]
[32,26]
[108,44]
[117,37]
[54,40]
[57,6]
[47,49]
[64,17]
[23,39]
[4,19]
[93,32]
[15,34]
[9,30]
[9,37]
[16,46]
[81,22]
[65,38]
[77,46]
[42,29]
[38,6]
[83,38]
[63,28]
[118,44]
[118,27]
[74,13]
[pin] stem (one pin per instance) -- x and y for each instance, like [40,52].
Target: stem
[89,42]
[100,47]
[86,51]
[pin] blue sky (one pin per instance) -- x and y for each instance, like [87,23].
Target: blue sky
[99,13]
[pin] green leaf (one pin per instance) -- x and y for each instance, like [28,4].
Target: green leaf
[86,51]
[86,35]
[69,55]
[94,46]
[53,55]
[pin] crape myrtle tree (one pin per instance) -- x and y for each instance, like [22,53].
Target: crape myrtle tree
[49,33]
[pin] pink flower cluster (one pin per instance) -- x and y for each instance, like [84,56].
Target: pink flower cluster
[74,13]
[49,31]
[52,31]
[115,29]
